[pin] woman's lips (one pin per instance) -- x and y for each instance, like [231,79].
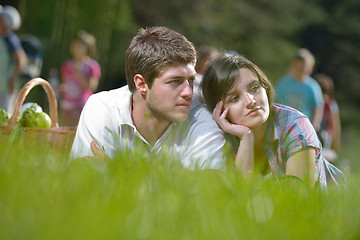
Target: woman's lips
[253,111]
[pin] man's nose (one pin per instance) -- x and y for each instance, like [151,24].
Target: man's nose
[188,89]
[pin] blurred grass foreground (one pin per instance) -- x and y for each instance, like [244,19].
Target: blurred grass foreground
[137,197]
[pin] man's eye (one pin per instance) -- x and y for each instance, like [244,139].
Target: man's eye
[191,81]
[175,82]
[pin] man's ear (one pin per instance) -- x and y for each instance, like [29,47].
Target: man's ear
[140,84]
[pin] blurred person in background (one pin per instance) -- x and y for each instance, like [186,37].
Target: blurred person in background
[205,55]
[79,77]
[299,90]
[34,51]
[272,139]
[330,129]
[12,57]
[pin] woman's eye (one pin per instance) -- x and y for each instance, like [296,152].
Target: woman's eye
[234,98]
[254,88]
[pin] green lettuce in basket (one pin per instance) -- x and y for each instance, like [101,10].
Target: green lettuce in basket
[32,117]
[4,117]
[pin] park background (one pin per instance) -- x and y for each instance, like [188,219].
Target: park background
[267,32]
[41,198]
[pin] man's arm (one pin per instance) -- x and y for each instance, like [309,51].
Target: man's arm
[95,124]
[205,142]
[21,61]
[319,105]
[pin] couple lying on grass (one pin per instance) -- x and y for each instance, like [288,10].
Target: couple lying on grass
[157,110]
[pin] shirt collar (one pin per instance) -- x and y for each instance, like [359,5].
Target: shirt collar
[125,110]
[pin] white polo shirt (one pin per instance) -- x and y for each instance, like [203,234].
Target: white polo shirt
[106,118]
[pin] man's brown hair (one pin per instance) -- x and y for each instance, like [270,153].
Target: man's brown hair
[153,50]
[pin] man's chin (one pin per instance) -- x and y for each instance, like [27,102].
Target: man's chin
[180,117]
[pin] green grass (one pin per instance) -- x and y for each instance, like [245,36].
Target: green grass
[149,198]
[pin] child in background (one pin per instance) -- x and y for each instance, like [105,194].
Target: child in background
[79,77]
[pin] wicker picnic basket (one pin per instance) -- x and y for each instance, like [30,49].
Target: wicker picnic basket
[56,137]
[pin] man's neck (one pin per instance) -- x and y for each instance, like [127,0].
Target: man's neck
[148,125]
[299,76]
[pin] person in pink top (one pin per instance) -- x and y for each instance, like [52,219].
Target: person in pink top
[79,77]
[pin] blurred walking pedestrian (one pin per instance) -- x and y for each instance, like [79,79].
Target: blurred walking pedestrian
[205,55]
[299,90]
[12,56]
[330,129]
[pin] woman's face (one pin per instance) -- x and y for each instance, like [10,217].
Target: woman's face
[247,101]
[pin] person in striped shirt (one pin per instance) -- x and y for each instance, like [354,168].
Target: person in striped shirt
[269,138]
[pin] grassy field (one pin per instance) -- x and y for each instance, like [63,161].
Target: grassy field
[136,198]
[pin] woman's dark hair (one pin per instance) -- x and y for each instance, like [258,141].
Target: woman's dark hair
[223,74]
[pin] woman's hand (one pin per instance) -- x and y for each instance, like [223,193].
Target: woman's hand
[245,154]
[220,117]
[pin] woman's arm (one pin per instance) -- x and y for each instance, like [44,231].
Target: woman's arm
[302,165]
[245,154]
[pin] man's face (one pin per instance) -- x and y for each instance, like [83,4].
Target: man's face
[298,68]
[170,95]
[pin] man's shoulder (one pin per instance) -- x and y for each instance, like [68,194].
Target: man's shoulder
[199,110]
[13,42]
[107,103]
[285,81]
[12,37]
[200,121]
[312,83]
[286,78]
[111,97]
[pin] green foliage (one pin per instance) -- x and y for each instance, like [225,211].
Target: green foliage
[266,32]
[133,197]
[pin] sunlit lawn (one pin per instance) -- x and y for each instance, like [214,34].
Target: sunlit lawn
[133,197]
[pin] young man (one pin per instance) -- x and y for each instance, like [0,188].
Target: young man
[154,112]
[299,90]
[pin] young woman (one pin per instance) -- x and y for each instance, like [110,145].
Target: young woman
[272,138]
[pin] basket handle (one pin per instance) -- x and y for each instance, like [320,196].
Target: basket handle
[21,98]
